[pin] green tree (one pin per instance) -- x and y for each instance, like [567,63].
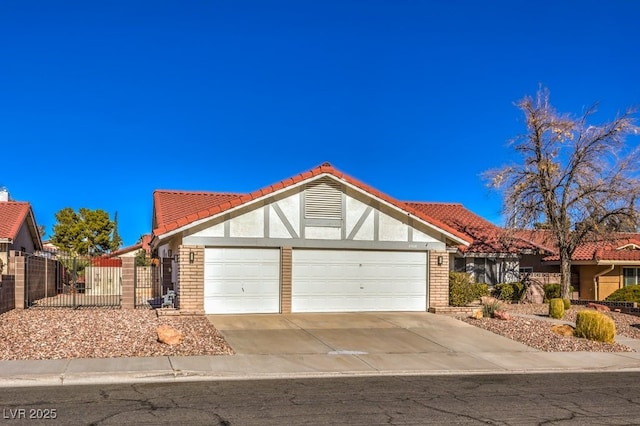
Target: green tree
[84,232]
[142,259]
[116,241]
[578,179]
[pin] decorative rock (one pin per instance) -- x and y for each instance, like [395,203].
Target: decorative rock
[477,314]
[502,315]
[169,335]
[598,307]
[562,329]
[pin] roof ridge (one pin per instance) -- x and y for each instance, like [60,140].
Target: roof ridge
[198,192]
[443,203]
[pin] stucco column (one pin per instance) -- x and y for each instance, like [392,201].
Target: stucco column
[128,282]
[190,285]
[438,279]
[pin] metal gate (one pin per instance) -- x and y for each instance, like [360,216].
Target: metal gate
[72,281]
[148,288]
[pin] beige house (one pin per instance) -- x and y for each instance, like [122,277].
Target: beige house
[606,266]
[320,241]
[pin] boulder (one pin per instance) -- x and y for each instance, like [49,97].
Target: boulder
[598,307]
[562,329]
[501,315]
[477,314]
[169,335]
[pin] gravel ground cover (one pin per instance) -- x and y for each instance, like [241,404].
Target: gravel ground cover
[102,333]
[536,331]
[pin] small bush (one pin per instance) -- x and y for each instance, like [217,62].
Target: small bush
[552,291]
[556,308]
[490,305]
[594,325]
[567,304]
[509,292]
[462,290]
[625,294]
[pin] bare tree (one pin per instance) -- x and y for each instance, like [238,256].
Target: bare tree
[577,179]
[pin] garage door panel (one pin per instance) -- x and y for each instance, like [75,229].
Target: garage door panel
[334,280]
[239,280]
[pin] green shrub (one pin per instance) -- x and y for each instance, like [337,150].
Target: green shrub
[567,304]
[594,325]
[490,305]
[625,294]
[509,292]
[462,290]
[556,308]
[552,291]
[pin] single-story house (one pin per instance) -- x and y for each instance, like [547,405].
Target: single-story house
[18,229]
[605,266]
[320,241]
[495,255]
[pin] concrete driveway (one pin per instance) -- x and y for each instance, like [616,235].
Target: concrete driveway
[357,334]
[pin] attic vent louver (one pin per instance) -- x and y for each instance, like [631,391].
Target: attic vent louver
[323,200]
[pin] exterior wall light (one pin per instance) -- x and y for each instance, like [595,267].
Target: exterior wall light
[440,260]
[192,257]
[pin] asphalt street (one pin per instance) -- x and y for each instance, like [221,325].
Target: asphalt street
[503,399]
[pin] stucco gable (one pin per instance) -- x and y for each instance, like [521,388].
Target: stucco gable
[349,216]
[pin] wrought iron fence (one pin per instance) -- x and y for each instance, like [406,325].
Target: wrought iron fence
[73,281]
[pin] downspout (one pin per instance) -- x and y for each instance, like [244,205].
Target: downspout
[595,280]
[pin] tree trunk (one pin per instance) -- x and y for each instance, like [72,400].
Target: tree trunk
[565,275]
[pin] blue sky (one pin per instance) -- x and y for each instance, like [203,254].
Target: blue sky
[101,103]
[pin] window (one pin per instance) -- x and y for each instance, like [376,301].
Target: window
[459,264]
[631,276]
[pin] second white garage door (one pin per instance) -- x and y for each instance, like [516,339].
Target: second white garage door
[350,281]
[241,280]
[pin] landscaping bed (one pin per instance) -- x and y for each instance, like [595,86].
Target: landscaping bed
[535,331]
[102,333]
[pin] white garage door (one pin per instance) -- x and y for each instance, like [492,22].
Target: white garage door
[241,280]
[348,281]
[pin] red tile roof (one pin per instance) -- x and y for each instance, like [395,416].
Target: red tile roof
[486,237]
[171,207]
[612,250]
[174,209]
[12,216]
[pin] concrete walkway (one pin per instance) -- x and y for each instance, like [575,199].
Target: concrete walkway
[318,345]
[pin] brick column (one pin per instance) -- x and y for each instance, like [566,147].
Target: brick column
[438,279]
[190,285]
[128,283]
[18,267]
[285,280]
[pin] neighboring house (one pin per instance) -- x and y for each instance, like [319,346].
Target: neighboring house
[320,241]
[605,266]
[18,228]
[132,251]
[494,255]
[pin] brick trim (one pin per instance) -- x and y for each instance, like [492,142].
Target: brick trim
[286,268]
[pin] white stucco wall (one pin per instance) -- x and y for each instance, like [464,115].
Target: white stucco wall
[248,225]
[391,229]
